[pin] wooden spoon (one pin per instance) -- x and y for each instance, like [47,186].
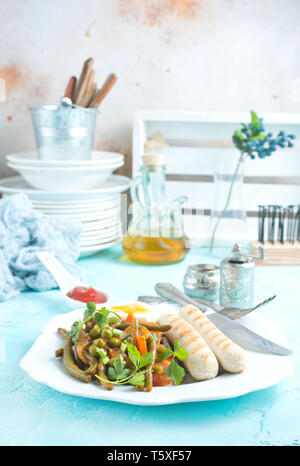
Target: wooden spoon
[102,93]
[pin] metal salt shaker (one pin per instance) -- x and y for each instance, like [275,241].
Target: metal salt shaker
[202,281]
[237,278]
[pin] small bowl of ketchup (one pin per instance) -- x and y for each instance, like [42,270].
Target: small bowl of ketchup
[80,295]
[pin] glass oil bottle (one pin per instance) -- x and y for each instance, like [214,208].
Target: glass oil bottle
[155,234]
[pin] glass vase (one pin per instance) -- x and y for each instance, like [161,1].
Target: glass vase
[228,219]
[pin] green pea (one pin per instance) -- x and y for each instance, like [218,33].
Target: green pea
[106,333]
[158,369]
[99,342]
[117,332]
[95,332]
[113,320]
[93,350]
[115,342]
[89,324]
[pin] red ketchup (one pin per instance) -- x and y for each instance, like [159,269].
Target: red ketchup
[86,294]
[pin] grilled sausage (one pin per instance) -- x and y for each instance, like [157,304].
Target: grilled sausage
[229,354]
[201,362]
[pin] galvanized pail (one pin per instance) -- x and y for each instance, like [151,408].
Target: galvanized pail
[63,133]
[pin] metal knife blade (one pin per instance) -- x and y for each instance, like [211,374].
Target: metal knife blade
[241,334]
[231,328]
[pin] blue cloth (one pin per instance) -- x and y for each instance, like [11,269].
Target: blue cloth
[23,233]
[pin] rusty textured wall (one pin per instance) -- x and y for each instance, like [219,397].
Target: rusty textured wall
[168,54]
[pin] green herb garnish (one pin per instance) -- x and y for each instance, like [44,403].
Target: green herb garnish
[120,375]
[138,379]
[174,371]
[118,371]
[100,317]
[75,330]
[179,352]
[90,310]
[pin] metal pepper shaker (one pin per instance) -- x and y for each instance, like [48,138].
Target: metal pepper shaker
[202,281]
[237,278]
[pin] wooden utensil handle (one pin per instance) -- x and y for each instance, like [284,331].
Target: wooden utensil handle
[85,89]
[70,88]
[102,93]
[87,66]
[88,95]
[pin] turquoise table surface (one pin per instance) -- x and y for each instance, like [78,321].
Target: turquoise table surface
[33,414]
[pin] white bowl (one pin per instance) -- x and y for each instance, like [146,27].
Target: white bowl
[30,159]
[66,179]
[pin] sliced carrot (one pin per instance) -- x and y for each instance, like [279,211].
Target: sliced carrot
[145,332]
[141,344]
[160,380]
[129,317]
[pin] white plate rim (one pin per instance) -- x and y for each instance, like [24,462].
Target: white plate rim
[100,247]
[165,395]
[79,209]
[99,225]
[31,159]
[89,217]
[100,241]
[93,168]
[114,227]
[104,238]
[82,204]
[123,185]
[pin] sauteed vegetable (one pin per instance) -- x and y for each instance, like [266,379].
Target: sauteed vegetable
[112,351]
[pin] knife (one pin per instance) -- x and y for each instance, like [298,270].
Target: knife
[231,328]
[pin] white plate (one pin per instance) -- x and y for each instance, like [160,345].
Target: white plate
[30,159]
[263,370]
[92,227]
[103,237]
[91,250]
[98,241]
[65,178]
[79,209]
[16,184]
[96,206]
[100,233]
[77,202]
[109,213]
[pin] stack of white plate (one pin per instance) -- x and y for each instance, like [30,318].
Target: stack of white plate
[64,175]
[99,210]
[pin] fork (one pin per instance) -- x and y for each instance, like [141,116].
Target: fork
[167,291]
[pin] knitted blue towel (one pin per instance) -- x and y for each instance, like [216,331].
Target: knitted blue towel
[23,233]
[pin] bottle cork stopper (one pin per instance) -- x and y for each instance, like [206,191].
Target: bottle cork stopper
[154,159]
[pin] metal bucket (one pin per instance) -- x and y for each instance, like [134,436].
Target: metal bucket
[63,133]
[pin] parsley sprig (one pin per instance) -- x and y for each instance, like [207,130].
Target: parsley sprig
[174,370]
[99,316]
[119,374]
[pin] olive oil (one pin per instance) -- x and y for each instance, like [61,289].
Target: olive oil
[155,233]
[154,250]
